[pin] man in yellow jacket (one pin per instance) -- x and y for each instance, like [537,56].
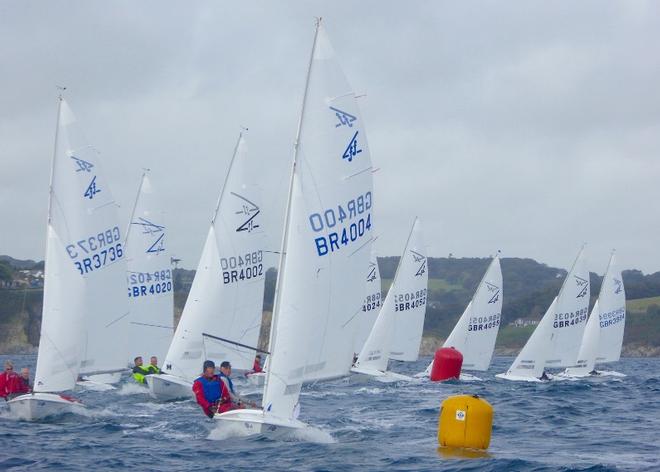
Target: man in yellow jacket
[140,372]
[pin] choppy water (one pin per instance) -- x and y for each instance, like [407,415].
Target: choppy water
[593,425]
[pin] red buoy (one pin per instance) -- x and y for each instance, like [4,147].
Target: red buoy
[447,364]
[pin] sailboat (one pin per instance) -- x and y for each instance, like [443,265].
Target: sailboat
[222,316]
[556,340]
[406,299]
[84,289]
[370,307]
[476,330]
[326,246]
[603,336]
[149,276]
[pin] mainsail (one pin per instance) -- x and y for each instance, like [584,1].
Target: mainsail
[409,299]
[556,340]
[365,320]
[226,297]
[327,238]
[476,331]
[85,306]
[407,280]
[603,336]
[149,276]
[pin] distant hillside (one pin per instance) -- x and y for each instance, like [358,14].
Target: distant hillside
[529,288]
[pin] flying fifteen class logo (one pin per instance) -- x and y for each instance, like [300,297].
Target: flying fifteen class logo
[583,285]
[152,229]
[417,257]
[372,272]
[83,165]
[92,189]
[352,149]
[345,119]
[250,210]
[618,286]
[494,292]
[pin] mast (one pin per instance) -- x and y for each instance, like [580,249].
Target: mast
[52,164]
[561,290]
[137,198]
[287,217]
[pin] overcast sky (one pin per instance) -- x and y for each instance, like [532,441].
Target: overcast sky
[529,127]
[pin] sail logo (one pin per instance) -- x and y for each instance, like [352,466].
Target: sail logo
[158,246]
[153,229]
[352,149]
[372,273]
[618,286]
[495,291]
[249,210]
[83,166]
[583,285]
[92,189]
[345,119]
[417,257]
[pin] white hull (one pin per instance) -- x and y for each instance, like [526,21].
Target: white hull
[253,422]
[518,378]
[38,406]
[167,388]
[365,375]
[575,374]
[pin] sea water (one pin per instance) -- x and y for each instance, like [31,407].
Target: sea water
[596,424]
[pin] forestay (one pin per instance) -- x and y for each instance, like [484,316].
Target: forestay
[226,297]
[149,276]
[408,279]
[476,331]
[409,299]
[327,238]
[366,318]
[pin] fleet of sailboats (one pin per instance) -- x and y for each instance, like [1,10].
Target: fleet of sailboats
[329,320]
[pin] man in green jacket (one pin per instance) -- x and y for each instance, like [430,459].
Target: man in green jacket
[153,366]
[140,372]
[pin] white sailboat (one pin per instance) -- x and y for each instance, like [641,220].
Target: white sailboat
[603,336]
[407,295]
[326,246]
[84,291]
[556,340]
[149,277]
[222,316]
[476,330]
[365,320]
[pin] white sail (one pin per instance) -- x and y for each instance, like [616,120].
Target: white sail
[611,314]
[409,297]
[556,340]
[530,362]
[476,331]
[226,297]
[370,307]
[375,353]
[327,238]
[603,336]
[83,215]
[570,316]
[149,276]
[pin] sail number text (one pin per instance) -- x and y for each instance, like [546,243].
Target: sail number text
[142,284]
[243,267]
[409,300]
[564,320]
[95,251]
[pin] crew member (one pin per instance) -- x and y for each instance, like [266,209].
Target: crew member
[256,367]
[153,366]
[210,392]
[19,384]
[139,371]
[6,378]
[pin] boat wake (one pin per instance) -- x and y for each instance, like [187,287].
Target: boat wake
[132,389]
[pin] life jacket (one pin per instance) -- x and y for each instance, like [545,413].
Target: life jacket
[212,388]
[256,367]
[229,382]
[153,369]
[139,373]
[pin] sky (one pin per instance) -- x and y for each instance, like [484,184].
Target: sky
[524,126]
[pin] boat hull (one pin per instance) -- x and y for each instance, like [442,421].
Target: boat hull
[366,375]
[518,378]
[38,406]
[167,388]
[248,422]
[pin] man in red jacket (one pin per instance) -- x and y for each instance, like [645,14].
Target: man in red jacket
[211,393]
[19,384]
[6,379]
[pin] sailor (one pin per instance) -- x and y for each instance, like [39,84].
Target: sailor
[140,372]
[153,366]
[210,392]
[19,384]
[6,378]
[544,376]
[256,367]
[225,376]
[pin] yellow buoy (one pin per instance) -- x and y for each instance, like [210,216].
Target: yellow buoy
[465,421]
